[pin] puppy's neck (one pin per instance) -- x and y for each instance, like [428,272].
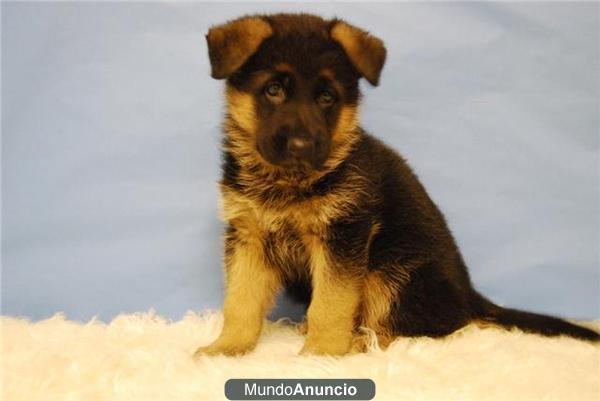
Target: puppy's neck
[246,170]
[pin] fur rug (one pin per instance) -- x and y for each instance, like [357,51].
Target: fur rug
[144,357]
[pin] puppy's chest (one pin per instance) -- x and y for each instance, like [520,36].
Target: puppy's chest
[279,225]
[286,233]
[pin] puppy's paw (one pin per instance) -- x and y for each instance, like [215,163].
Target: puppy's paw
[367,340]
[360,343]
[302,327]
[227,349]
[323,346]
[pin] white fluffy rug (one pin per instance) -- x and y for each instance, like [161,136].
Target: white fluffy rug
[144,357]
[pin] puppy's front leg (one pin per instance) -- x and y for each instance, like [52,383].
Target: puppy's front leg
[332,312]
[251,287]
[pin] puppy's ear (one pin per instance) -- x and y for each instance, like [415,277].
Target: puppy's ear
[231,44]
[365,51]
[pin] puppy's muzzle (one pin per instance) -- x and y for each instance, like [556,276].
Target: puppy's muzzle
[299,146]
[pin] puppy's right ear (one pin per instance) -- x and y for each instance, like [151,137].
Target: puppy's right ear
[231,44]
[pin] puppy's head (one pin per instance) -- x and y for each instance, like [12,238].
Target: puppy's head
[292,86]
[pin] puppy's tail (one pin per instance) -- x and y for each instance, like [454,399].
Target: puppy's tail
[490,313]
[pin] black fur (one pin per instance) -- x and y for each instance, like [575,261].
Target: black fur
[412,248]
[439,298]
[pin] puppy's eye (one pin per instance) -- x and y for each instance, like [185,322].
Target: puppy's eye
[325,98]
[274,92]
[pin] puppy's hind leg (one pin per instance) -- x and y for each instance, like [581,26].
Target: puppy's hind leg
[376,300]
[364,341]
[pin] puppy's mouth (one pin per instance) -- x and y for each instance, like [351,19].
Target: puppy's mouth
[293,164]
[300,164]
[293,154]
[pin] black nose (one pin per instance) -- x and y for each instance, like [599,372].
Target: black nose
[298,146]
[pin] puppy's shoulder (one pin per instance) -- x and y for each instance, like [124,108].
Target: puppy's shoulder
[377,160]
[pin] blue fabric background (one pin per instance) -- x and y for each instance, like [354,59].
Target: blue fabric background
[110,147]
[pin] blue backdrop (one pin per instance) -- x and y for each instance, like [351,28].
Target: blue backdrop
[110,147]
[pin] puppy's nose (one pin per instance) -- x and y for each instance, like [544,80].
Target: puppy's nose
[298,146]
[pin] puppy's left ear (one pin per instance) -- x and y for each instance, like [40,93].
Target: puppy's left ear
[230,45]
[365,51]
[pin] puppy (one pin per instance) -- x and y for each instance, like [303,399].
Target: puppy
[317,206]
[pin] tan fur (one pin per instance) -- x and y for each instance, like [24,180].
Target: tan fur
[251,287]
[331,316]
[327,73]
[284,67]
[485,324]
[366,52]
[241,127]
[362,342]
[372,233]
[240,107]
[344,136]
[377,296]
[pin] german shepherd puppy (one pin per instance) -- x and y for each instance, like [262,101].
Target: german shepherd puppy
[316,205]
